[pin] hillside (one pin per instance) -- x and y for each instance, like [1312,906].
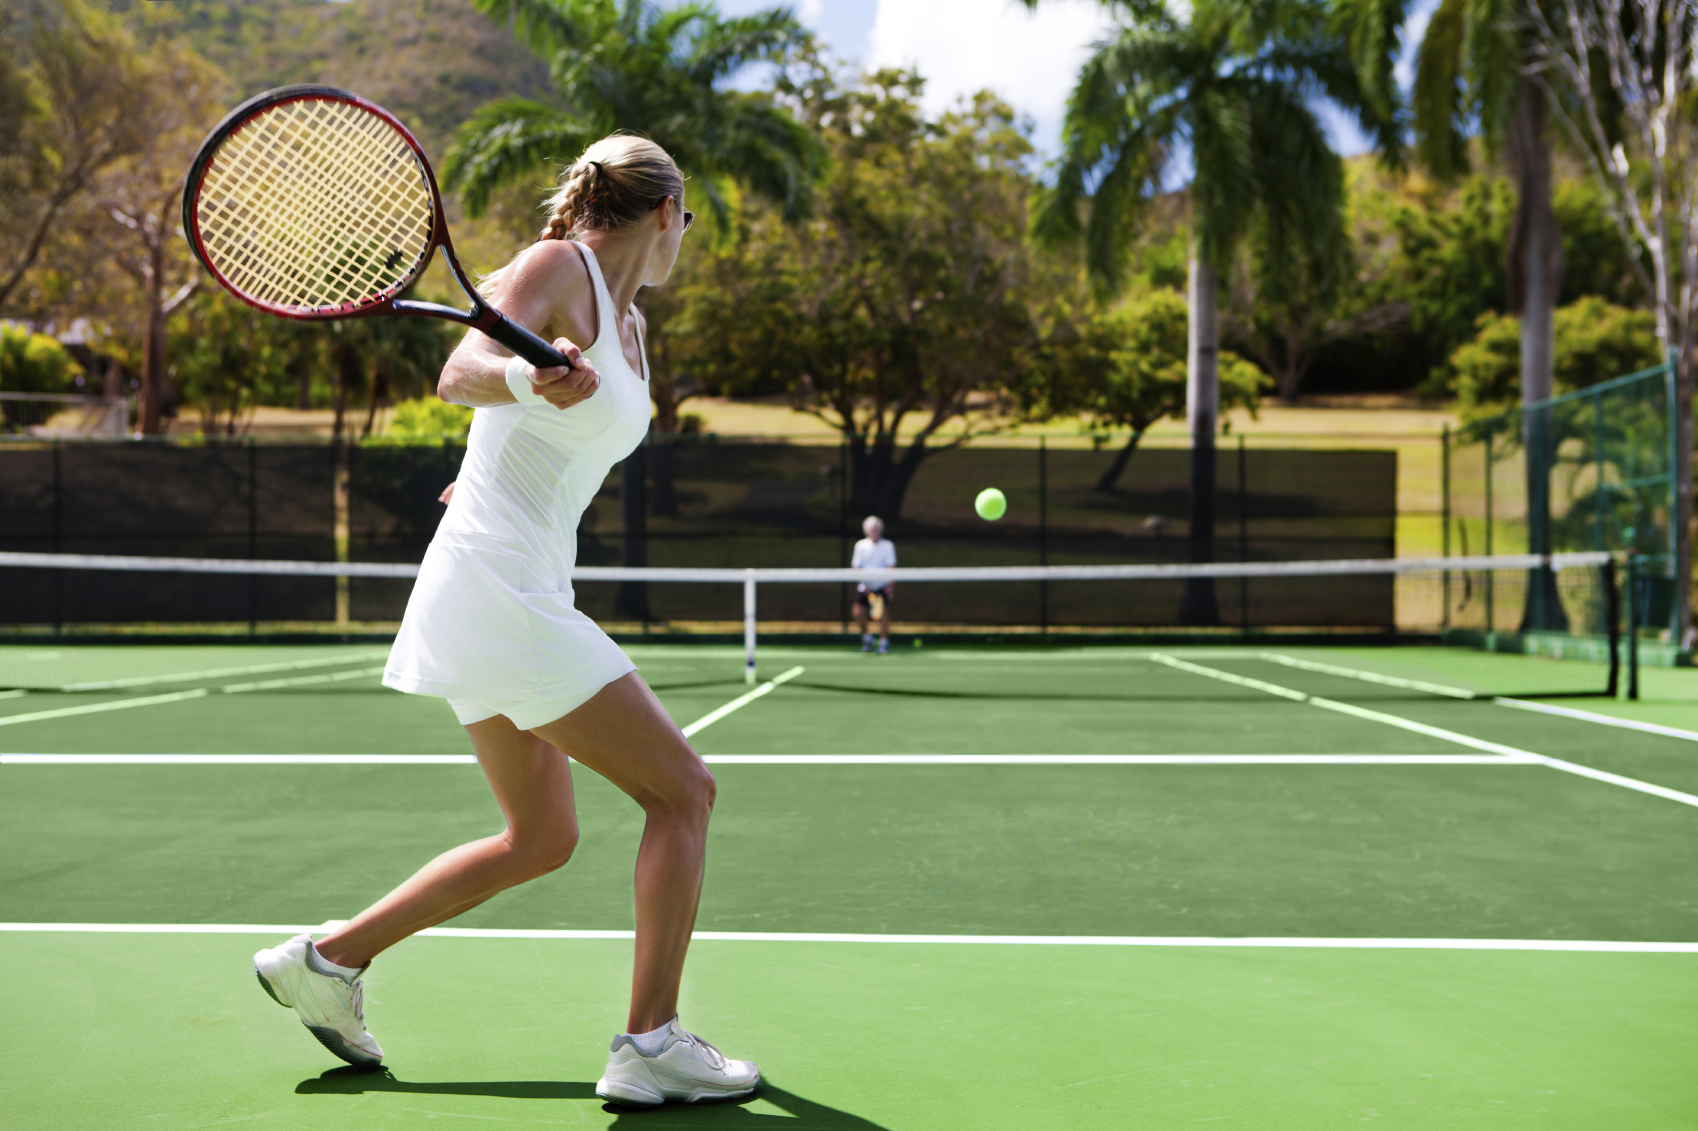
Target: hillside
[432,62]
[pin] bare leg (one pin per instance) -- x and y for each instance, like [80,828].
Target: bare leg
[861,617]
[625,735]
[532,783]
[884,620]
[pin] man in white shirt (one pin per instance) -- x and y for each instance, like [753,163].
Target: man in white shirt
[875,551]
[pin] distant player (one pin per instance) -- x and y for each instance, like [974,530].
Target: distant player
[875,551]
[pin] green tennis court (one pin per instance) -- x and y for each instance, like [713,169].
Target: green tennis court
[962,887]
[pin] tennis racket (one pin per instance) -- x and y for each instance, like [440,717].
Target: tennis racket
[309,202]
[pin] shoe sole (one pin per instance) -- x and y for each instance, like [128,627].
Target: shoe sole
[645,1098]
[265,984]
[333,1041]
[327,1037]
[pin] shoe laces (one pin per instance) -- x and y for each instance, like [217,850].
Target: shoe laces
[358,1000]
[714,1057]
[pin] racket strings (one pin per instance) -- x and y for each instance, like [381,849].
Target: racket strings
[314,204]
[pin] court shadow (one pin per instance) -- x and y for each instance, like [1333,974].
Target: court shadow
[733,1114]
[352,1081]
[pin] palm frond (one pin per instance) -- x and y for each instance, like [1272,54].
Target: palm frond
[729,45]
[508,140]
[1438,100]
[1372,35]
[1494,51]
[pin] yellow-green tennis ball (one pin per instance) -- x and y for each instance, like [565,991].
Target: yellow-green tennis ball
[991,504]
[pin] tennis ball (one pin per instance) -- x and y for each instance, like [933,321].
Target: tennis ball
[991,504]
[918,643]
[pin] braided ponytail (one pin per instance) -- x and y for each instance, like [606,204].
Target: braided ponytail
[577,189]
[616,183]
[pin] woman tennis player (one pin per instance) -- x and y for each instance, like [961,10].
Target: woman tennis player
[492,627]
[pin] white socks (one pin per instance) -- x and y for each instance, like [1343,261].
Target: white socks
[322,965]
[650,1043]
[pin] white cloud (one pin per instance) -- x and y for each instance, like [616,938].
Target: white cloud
[963,46]
[810,11]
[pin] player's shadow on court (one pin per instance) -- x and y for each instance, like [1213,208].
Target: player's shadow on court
[731,1113]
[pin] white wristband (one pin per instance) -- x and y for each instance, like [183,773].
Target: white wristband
[519,374]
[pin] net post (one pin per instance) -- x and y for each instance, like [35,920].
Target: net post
[1612,628]
[58,535]
[1444,517]
[748,626]
[1491,613]
[253,536]
[1043,533]
[1632,624]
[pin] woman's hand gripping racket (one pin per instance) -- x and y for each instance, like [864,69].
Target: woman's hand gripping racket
[309,202]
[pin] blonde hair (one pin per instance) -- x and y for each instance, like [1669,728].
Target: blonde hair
[616,183]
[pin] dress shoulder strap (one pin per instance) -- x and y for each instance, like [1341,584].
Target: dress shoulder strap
[642,342]
[603,299]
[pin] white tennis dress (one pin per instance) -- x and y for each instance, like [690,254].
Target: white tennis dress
[491,624]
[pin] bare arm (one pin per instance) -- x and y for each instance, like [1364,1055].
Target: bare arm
[546,287]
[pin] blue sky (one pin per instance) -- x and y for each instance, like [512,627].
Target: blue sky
[961,46]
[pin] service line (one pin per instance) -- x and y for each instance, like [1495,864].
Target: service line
[718,713]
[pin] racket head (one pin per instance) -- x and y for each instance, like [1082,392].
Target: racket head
[312,203]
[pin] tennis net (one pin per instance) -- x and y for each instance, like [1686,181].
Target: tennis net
[1468,601]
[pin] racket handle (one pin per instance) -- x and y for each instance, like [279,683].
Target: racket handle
[521,341]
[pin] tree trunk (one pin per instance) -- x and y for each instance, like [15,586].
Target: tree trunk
[1111,478]
[1681,540]
[1202,411]
[1535,280]
[153,392]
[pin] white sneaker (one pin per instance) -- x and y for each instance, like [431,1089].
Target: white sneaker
[866,644]
[884,647]
[330,1008]
[686,1069]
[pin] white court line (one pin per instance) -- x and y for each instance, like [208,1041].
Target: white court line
[177,696]
[238,760]
[1607,946]
[1110,759]
[96,708]
[792,760]
[220,673]
[1365,676]
[1439,732]
[302,680]
[1594,717]
[715,715]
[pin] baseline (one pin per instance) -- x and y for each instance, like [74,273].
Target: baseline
[1276,941]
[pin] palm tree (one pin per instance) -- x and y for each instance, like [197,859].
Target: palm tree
[1473,74]
[631,65]
[1233,84]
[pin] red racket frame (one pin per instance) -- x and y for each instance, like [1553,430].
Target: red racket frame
[481,316]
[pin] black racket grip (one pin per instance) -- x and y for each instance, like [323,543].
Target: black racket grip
[521,341]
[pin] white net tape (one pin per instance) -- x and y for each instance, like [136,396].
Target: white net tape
[314,203]
[1346,567]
